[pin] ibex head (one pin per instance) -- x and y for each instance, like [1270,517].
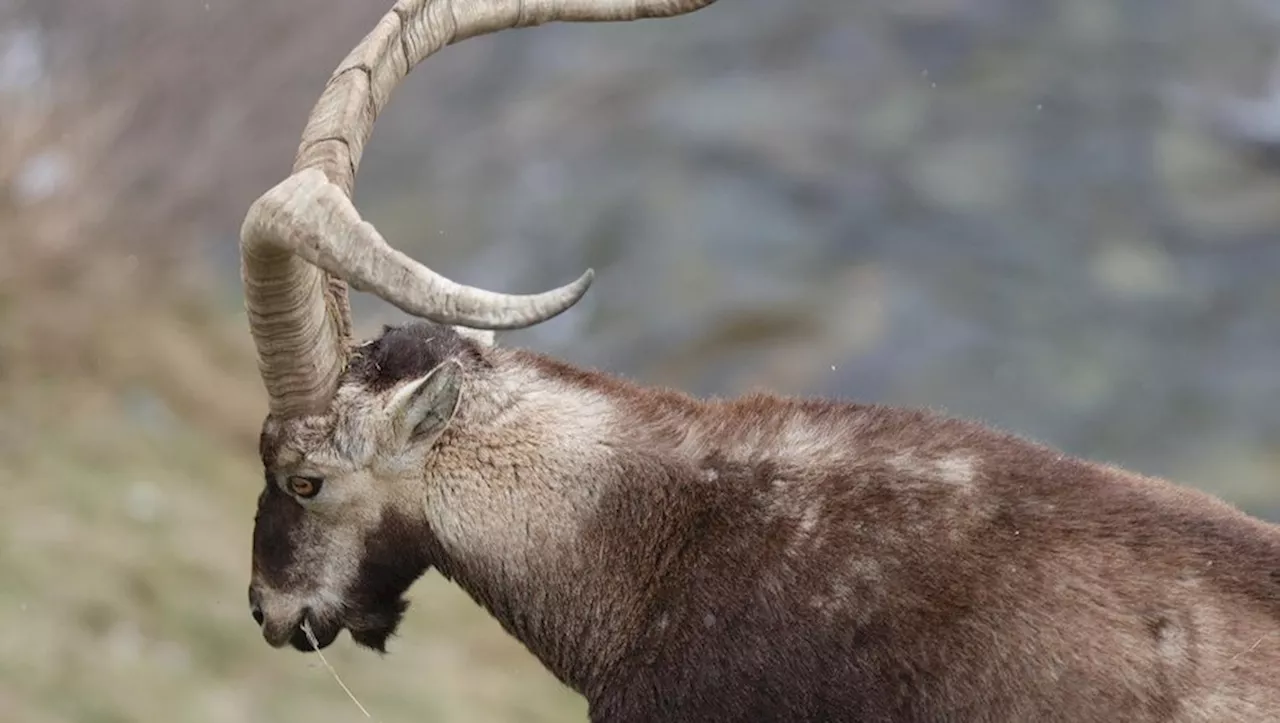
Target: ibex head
[337,541]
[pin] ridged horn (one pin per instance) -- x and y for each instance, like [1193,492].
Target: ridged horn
[303,240]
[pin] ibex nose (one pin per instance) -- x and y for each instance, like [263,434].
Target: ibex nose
[255,605]
[276,615]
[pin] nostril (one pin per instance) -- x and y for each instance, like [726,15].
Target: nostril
[255,608]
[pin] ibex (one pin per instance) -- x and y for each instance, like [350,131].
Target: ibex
[680,559]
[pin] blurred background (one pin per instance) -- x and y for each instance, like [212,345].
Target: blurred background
[1059,217]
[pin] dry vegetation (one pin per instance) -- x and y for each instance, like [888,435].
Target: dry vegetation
[129,400]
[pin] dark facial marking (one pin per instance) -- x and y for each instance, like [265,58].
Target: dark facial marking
[273,546]
[396,554]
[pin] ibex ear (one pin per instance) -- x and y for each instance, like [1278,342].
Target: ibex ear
[483,337]
[424,408]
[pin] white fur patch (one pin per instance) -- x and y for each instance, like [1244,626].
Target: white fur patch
[957,468]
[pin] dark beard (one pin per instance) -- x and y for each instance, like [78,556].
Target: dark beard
[394,559]
[375,627]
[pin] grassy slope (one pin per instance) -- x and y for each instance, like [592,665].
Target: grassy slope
[123,568]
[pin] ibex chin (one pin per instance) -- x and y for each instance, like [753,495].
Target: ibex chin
[677,559]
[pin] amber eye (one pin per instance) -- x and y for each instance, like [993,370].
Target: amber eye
[305,486]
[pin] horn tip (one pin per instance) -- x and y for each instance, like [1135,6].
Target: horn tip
[578,288]
[584,281]
[566,297]
[570,294]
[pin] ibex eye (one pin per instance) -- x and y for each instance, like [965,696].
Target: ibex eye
[305,486]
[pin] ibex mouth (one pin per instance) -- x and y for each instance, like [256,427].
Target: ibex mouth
[322,634]
[279,633]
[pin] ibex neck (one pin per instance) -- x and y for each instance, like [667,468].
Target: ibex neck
[551,522]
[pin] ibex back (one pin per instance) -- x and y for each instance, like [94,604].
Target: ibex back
[677,559]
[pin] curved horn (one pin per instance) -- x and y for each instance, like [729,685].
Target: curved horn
[306,226]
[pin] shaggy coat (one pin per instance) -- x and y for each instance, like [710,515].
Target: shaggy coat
[779,559]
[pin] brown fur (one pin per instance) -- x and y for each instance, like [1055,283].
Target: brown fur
[773,559]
